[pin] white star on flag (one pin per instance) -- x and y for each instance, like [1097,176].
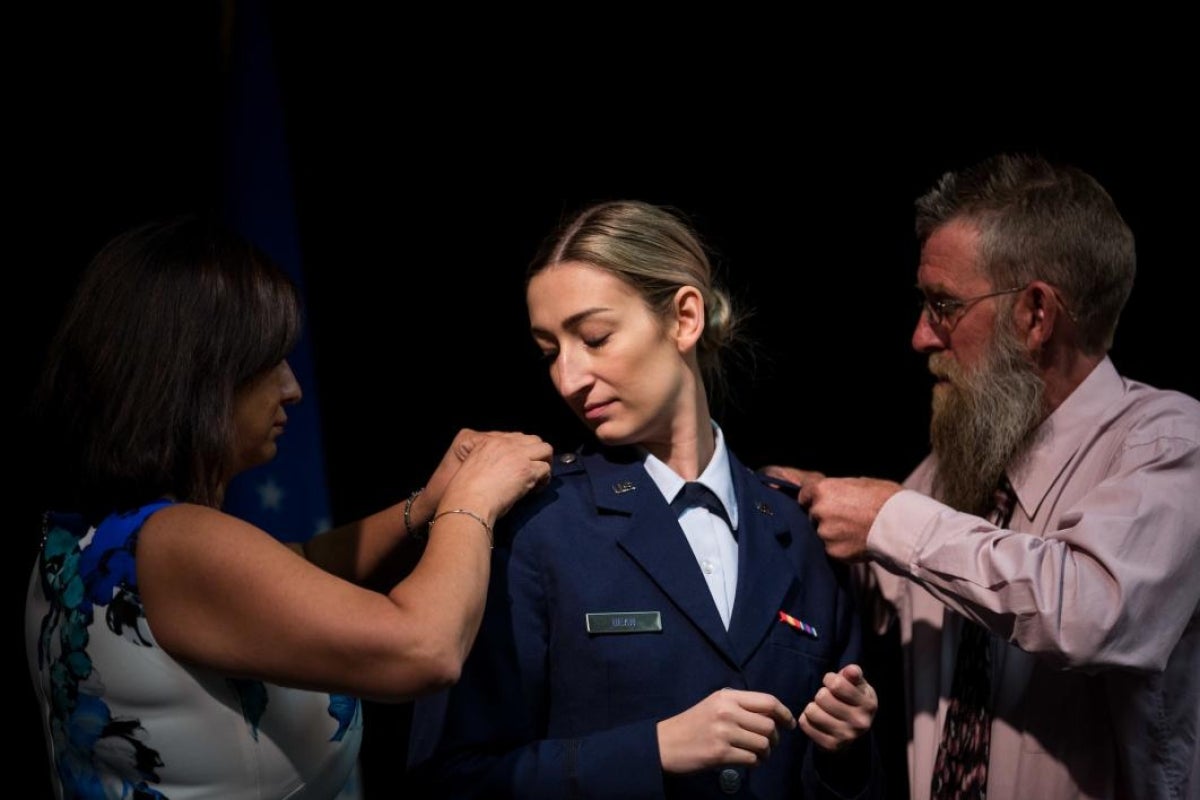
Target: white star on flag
[271,495]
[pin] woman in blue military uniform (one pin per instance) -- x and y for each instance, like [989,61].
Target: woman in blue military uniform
[660,622]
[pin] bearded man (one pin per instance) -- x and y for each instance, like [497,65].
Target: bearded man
[1043,562]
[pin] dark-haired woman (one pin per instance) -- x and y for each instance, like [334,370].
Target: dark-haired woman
[177,651]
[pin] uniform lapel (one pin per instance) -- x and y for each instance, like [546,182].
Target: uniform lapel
[649,533]
[764,570]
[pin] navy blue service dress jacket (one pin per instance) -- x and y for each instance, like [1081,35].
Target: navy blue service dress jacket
[599,624]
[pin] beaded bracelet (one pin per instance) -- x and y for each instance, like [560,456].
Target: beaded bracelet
[408,526]
[472,515]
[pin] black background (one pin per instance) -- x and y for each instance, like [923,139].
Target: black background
[429,159]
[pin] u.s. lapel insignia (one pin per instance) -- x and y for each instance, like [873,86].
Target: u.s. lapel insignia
[763,508]
[621,487]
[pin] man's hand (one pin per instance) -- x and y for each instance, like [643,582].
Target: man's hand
[842,509]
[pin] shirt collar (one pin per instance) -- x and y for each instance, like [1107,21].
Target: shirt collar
[716,476]
[1061,434]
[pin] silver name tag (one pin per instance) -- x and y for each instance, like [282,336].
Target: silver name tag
[625,622]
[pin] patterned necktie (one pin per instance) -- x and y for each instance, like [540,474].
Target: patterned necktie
[960,772]
[696,494]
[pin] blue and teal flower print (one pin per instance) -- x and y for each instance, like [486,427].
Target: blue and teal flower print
[342,708]
[88,742]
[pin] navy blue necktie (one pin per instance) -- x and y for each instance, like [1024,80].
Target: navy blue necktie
[696,495]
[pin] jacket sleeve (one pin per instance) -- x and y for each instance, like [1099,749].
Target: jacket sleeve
[1111,582]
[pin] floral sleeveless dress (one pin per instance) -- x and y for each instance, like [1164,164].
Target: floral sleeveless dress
[123,719]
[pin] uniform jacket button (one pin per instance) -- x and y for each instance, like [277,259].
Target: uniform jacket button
[730,780]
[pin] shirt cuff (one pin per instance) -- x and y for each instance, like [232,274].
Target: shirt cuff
[901,527]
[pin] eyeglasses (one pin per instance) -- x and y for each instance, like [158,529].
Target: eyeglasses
[945,312]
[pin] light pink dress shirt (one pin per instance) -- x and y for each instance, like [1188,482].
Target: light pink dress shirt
[1092,594]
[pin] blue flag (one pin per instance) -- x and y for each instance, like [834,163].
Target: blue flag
[289,496]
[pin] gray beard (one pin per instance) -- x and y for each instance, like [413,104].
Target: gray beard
[983,420]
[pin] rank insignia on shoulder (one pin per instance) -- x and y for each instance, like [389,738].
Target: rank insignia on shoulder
[763,508]
[621,487]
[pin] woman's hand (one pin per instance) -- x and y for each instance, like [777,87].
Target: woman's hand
[842,710]
[465,442]
[495,470]
[730,726]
